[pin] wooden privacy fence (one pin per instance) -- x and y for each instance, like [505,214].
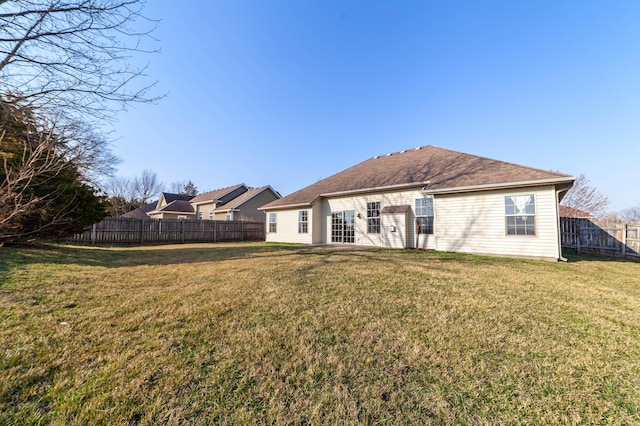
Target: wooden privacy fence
[121,230]
[601,238]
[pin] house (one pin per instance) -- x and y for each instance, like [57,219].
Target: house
[142,211]
[237,202]
[428,198]
[173,206]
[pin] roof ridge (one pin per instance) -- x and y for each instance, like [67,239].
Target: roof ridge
[221,189]
[462,153]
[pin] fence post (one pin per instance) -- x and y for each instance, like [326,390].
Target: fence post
[93,234]
[624,241]
[578,235]
[141,231]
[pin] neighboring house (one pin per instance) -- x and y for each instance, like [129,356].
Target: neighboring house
[237,202]
[141,212]
[173,206]
[430,198]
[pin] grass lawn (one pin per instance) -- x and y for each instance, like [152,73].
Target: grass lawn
[263,334]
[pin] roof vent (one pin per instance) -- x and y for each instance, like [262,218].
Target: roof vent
[418,148]
[375,157]
[389,155]
[403,151]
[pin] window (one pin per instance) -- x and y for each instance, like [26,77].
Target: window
[273,222]
[200,214]
[303,222]
[424,215]
[210,214]
[520,214]
[343,227]
[373,217]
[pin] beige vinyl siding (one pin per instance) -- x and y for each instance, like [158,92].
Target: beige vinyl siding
[475,223]
[249,210]
[173,216]
[161,202]
[395,230]
[468,222]
[316,228]
[287,228]
[385,238]
[204,208]
[222,215]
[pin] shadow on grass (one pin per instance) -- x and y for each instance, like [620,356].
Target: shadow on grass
[15,258]
[22,257]
[573,256]
[134,256]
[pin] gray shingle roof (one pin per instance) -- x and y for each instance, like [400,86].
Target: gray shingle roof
[141,212]
[443,168]
[178,206]
[169,197]
[242,198]
[215,194]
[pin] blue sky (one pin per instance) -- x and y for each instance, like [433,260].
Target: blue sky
[288,92]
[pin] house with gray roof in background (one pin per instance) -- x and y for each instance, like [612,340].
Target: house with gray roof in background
[237,202]
[428,198]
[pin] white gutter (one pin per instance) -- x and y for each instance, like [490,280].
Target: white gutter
[426,189]
[507,185]
[558,191]
[168,211]
[288,206]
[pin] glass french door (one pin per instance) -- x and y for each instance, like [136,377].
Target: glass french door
[343,227]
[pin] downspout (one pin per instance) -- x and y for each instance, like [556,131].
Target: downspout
[558,191]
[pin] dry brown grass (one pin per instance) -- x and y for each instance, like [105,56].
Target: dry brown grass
[255,333]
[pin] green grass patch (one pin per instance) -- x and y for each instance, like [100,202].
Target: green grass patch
[262,334]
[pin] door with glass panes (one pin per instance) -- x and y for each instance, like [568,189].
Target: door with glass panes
[343,226]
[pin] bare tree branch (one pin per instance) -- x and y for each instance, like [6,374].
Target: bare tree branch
[582,196]
[631,214]
[40,181]
[75,55]
[147,186]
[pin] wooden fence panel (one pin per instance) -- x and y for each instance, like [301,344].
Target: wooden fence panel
[600,238]
[127,231]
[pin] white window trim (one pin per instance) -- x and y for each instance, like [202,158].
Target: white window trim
[432,216]
[273,220]
[373,218]
[517,214]
[303,222]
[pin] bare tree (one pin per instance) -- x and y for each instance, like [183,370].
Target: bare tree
[122,195]
[182,187]
[583,196]
[177,187]
[74,55]
[42,192]
[126,194]
[20,170]
[632,214]
[147,186]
